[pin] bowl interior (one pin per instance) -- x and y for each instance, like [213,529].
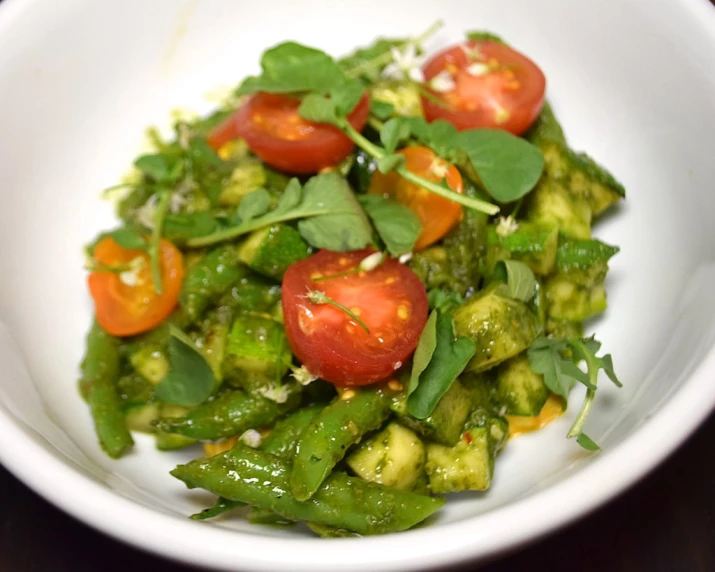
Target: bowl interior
[82,80]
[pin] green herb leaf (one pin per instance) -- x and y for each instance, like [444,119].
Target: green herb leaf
[508,166]
[369,62]
[222,505]
[443,300]
[587,443]
[449,358]
[398,227]
[546,356]
[290,198]
[159,168]
[382,109]
[388,163]
[346,96]
[184,226]
[317,108]
[424,351]
[520,280]
[254,204]
[394,132]
[291,67]
[483,36]
[190,380]
[128,238]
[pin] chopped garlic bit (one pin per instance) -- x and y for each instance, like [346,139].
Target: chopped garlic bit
[405,64]
[405,258]
[303,376]
[477,69]
[251,437]
[443,82]
[279,394]
[372,261]
[506,226]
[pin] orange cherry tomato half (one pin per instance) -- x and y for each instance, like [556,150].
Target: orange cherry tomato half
[274,131]
[390,300]
[129,306]
[437,214]
[494,86]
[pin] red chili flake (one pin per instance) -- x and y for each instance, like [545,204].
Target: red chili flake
[468,438]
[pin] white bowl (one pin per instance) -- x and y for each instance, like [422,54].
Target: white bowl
[633,83]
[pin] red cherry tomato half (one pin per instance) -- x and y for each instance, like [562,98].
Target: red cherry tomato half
[390,300]
[493,86]
[275,132]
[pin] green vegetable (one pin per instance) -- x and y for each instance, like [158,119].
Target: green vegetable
[519,281]
[228,415]
[341,501]
[140,417]
[287,433]
[556,360]
[530,243]
[133,390]
[256,345]
[100,372]
[271,250]
[190,380]
[178,228]
[443,300]
[394,457]
[519,388]
[483,36]
[398,227]
[251,293]
[438,360]
[248,176]
[330,217]
[151,362]
[500,327]
[551,204]
[169,441]
[128,238]
[222,506]
[327,438]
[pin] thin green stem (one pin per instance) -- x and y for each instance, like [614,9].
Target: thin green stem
[379,152]
[577,427]
[155,244]
[318,297]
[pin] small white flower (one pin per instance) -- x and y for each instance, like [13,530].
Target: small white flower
[405,65]
[372,261]
[443,82]
[477,69]
[251,437]
[277,394]
[405,258]
[131,277]
[145,213]
[506,226]
[303,376]
[439,168]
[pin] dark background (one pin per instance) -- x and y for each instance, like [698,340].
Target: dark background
[666,523]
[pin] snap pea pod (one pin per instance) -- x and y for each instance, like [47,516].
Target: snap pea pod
[222,505]
[284,437]
[327,438]
[262,480]
[210,278]
[229,414]
[100,373]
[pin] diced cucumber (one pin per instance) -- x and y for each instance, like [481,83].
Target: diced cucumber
[139,418]
[256,345]
[589,179]
[467,466]
[530,243]
[394,457]
[500,327]
[134,390]
[519,388]
[546,129]
[270,251]
[171,441]
[445,424]
[551,204]
[584,261]
[252,293]
[151,362]
[563,329]
[570,301]
[212,341]
[248,176]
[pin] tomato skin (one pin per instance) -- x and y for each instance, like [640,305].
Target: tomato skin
[436,213]
[274,131]
[124,310]
[518,89]
[391,300]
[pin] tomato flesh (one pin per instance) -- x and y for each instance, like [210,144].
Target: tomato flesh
[390,300]
[128,306]
[436,213]
[274,131]
[494,86]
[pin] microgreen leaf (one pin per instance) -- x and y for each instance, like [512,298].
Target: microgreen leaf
[424,351]
[382,109]
[159,168]
[254,204]
[557,359]
[128,238]
[483,36]
[346,96]
[443,300]
[317,108]
[398,227]
[190,380]
[388,163]
[448,359]
[222,505]
[184,226]
[394,132]
[520,280]
[291,67]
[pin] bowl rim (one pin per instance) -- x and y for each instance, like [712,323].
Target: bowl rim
[477,537]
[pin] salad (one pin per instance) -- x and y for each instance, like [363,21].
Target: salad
[352,284]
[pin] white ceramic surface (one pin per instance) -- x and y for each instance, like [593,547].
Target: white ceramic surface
[634,84]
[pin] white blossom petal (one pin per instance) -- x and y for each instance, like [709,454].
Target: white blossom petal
[277,394]
[416,75]
[371,261]
[251,437]
[506,226]
[443,82]
[477,69]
